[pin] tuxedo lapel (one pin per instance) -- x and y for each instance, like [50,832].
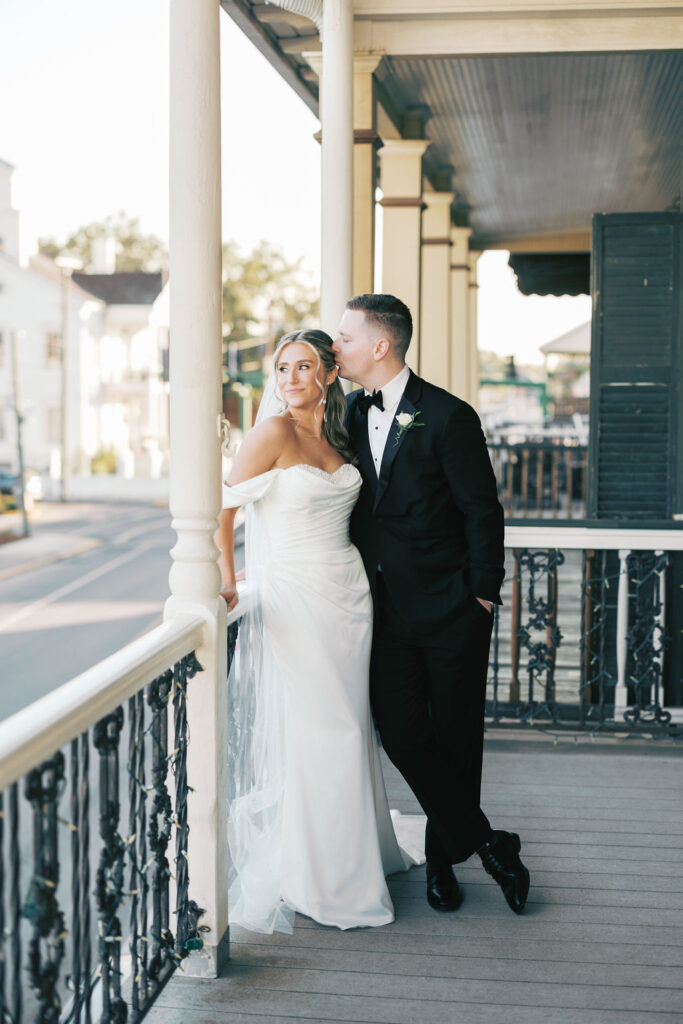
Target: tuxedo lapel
[358,429]
[396,438]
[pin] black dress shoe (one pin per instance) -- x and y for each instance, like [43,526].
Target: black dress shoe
[500,857]
[443,891]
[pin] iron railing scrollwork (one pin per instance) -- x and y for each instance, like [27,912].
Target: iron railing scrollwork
[647,639]
[65,888]
[43,790]
[593,648]
[109,884]
[541,569]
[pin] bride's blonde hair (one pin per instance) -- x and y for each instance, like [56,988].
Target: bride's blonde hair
[333,429]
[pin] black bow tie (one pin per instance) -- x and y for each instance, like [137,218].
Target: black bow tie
[365,401]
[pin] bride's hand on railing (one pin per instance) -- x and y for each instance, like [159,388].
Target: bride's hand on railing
[229,594]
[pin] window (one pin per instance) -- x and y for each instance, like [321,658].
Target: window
[2,348]
[53,348]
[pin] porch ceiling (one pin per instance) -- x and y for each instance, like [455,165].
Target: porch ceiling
[539,143]
[532,143]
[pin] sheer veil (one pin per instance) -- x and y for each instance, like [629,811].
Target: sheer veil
[256,750]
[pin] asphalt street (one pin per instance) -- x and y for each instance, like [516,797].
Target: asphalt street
[58,620]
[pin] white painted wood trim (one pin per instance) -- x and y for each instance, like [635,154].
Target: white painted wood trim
[36,732]
[621,691]
[454,34]
[586,538]
[336,116]
[488,8]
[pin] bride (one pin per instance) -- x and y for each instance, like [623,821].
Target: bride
[309,825]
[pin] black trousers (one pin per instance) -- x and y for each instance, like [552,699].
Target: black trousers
[428,690]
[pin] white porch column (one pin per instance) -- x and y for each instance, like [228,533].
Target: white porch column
[473,331]
[336,115]
[435,313]
[461,356]
[401,175]
[365,144]
[195,392]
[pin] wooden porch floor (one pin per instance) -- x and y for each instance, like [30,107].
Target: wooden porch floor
[601,939]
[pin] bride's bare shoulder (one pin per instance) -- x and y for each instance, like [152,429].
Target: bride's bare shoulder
[273,427]
[261,448]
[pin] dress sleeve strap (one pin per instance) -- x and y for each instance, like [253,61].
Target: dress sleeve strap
[250,490]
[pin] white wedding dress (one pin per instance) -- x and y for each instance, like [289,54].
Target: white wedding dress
[309,823]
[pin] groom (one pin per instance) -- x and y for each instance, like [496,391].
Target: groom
[429,527]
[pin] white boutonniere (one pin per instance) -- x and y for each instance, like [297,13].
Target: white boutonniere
[406,422]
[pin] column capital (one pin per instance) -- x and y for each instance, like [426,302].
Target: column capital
[401,168]
[404,148]
[367,63]
[460,238]
[436,220]
[439,199]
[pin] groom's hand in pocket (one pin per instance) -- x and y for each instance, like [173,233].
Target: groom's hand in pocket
[230,596]
[485,604]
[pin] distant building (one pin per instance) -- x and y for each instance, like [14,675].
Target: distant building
[127,413]
[568,368]
[117,360]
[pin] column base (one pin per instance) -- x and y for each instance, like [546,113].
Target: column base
[209,961]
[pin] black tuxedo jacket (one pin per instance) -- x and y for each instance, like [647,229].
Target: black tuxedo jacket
[432,521]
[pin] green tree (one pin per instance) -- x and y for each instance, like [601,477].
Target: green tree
[263,293]
[134,251]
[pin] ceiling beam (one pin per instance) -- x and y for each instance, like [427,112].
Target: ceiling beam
[489,32]
[561,241]
[426,8]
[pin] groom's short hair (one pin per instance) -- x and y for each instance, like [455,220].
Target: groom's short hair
[389,314]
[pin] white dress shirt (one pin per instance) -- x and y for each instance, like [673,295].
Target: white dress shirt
[379,421]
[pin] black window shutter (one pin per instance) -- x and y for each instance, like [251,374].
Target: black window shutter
[635,367]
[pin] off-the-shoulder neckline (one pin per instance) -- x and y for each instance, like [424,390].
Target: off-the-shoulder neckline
[314,470]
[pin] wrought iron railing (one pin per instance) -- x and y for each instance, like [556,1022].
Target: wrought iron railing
[583,635]
[542,479]
[582,638]
[95,910]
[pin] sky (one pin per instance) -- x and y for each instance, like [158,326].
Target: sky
[84,120]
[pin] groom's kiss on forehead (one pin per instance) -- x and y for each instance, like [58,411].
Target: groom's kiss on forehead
[372,340]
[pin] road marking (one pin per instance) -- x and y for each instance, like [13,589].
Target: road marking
[89,544]
[134,531]
[68,588]
[93,525]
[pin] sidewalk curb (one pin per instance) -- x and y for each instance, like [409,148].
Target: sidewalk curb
[38,563]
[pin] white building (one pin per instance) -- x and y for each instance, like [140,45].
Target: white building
[127,411]
[116,359]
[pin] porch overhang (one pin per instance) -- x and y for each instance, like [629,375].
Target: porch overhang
[538,114]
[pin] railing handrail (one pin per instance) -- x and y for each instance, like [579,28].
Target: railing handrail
[34,733]
[559,444]
[608,538]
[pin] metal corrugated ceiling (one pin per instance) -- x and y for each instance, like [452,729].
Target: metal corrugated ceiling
[540,143]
